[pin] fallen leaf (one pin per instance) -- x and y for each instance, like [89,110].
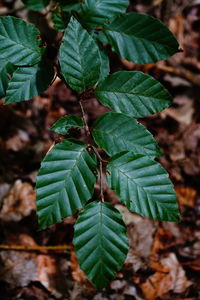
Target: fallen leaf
[169,277]
[19,202]
[77,274]
[186,195]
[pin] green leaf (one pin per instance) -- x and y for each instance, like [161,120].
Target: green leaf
[79,57]
[6,71]
[28,82]
[100,242]
[63,125]
[65,182]
[97,12]
[133,93]
[36,4]
[19,42]
[60,19]
[70,5]
[116,132]
[143,185]
[105,65]
[140,38]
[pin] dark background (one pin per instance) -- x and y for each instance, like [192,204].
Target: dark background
[164,258]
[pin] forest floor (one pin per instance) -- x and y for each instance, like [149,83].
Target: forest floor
[164,258]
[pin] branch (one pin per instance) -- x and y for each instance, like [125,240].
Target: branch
[35,248]
[180,72]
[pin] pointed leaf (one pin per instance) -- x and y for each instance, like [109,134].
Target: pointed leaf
[19,41]
[6,71]
[140,38]
[95,12]
[79,57]
[143,185]
[100,242]
[133,93]
[65,182]
[116,132]
[63,125]
[36,4]
[28,82]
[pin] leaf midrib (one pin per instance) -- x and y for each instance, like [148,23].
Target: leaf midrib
[137,184]
[67,175]
[129,93]
[120,136]
[35,50]
[133,36]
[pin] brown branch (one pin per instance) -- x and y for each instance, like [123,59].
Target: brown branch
[35,248]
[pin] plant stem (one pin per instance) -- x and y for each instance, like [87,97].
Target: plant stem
[100,172]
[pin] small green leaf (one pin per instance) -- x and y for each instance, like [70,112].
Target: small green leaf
[65,182]
[60,19]
[6,71]
[133,93]
[143,185]
[79,57]
[19,42]
[100,242]
[140,38]
[116,132]
[63,125]
[36,4]
[28,82]
[97,12]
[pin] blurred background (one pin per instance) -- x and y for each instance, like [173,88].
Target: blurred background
[164,258]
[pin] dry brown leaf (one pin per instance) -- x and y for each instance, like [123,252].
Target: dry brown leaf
[194,265]
[163,239]
[141,239]
[77,274]
[156,286]
[19,202]
[169,277]
[186,195]
[18,141]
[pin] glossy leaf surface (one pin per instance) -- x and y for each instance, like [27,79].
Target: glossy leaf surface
[65,182]
[140,38]
[100,242]
[97,12]
[79,57]
[28,82]
[19,41]
[133,93]
[115,132]
[63,125]
[143,185]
